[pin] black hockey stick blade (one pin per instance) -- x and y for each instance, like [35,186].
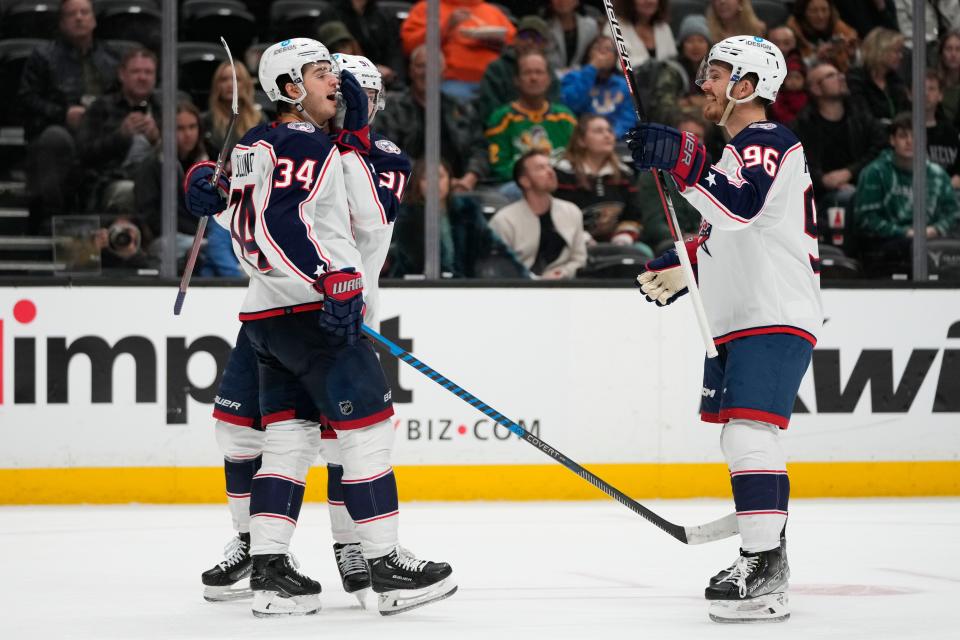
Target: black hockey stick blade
[717,530]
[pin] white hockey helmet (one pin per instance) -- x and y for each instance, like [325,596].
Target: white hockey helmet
[749,54]
[288,58]
[366,74]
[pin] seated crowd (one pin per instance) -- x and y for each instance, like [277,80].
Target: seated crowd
[533,109]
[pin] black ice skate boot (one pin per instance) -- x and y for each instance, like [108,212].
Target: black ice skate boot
[405,583]
[280,590]
[219,583]
[725,572]
[755,589]
[354,572]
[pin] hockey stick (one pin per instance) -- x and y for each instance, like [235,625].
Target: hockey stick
[665,200]
[202,225]
[716,530]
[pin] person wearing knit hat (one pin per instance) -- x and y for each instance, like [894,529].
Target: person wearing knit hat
[338,39]
[534,27]
[693,24]
[672,81]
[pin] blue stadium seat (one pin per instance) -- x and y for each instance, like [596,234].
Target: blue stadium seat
[30,19]
[208,20]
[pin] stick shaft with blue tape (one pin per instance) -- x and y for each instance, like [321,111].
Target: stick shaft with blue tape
[717,530]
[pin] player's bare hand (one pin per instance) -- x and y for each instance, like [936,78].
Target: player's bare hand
[75,115]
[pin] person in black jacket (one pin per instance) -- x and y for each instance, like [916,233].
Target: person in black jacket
[59,82]
[119,131]
[877,85]
[376,31]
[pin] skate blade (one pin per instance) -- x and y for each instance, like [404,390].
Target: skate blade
[361,595]
[226,594]
[267,604]
[773,607]
[400,600]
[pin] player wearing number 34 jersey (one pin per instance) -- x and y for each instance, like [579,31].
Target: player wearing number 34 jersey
[758,271]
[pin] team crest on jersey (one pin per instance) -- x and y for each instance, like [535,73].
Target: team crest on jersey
[763,125]
[306,127]
[346,407]
[387,146]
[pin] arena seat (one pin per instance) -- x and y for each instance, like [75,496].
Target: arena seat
[137,20]
[30,19]
[613,261]
[773,12]
[14,53]
[680,9]
[209,20]
[294,18]
[944,258]
[196,64]
[396,8]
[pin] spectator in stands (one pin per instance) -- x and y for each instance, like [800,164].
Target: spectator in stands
[216,257]
[462,144]
[338,39]
[545,233]
[728,18]
[938,13]
[465,236]
[673,81]
[877,85]
[219,110]
[948,64]
[598,87]
[656,234]
[59,82]
[499,83]
[865,16]
[592,176]
[943,142]
[529,122]
[376,32]
[571,31]
[792,97]
[646,30]
[838,139]
[884,202]
[786,40]
[119,131]
[821,35]
[472,34]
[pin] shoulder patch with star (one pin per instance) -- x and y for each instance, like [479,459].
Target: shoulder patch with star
[387,146]
[306,127]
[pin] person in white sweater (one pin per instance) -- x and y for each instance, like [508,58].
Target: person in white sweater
[545,233]
[646,30]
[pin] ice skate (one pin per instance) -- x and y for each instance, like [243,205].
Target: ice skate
[725,572]
[280,590]
[403,582]
[354,572]
[220,582]
[754,590]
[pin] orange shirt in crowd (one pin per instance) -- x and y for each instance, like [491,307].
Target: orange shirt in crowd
[466,55]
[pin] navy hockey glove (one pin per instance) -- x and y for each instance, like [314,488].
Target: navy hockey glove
[342,313]
[355,133]
[202,199]
[655,146]
[662,280]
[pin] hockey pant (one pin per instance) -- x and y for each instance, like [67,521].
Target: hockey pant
[758,475]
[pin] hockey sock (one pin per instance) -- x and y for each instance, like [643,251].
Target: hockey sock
[369,486]
[241,447]
[758,475]
[342,526]
[289,448]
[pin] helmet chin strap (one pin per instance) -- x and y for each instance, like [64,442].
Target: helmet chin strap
[732,102]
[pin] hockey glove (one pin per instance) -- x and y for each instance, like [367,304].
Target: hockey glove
[662,280]
[655,146]
[342,312]
[356,127]
[202,199]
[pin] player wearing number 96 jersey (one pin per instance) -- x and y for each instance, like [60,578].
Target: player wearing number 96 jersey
[758,271]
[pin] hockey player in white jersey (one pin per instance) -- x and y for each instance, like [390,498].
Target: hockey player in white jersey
[288,207]
[758,269]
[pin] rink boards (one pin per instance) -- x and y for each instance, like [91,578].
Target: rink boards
[105,396]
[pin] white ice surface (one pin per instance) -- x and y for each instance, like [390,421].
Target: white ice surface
[861,569]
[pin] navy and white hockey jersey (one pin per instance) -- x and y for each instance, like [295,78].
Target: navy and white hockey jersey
[758,262]
[375,186]
[287,214]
